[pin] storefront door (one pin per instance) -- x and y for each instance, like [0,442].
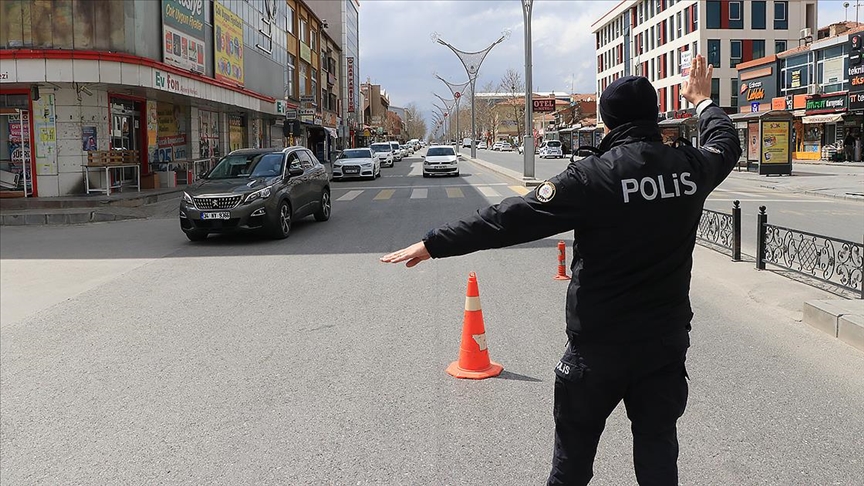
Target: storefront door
[16,171]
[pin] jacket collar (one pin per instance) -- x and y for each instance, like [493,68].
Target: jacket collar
[638,131]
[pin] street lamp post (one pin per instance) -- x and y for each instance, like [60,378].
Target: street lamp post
[450,104]
[472,62]
[457,90]
[528,140]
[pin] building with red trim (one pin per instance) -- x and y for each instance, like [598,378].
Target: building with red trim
[652,38]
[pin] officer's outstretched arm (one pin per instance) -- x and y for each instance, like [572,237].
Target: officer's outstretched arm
[552,208]
[720,146]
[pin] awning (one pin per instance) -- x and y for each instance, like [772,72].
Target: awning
[332,132]
[828,118]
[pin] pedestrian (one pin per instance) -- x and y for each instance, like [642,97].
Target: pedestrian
[849,146]
[635,207]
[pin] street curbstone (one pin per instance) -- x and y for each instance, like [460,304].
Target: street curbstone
[12,220]
[823,315]
[35,219]
[850,330]
[78,218]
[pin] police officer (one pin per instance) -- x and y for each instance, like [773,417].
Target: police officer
[635,208]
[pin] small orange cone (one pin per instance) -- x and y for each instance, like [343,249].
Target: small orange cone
[473,355]
[562,257]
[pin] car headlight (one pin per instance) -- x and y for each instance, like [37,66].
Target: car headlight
[259,194]
[187,198]
[367,165]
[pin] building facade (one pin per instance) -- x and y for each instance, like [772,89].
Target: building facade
[655,38]
[163,87]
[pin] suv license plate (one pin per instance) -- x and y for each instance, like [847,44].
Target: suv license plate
[219,215]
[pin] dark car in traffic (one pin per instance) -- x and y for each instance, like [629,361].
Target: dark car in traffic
[257,189]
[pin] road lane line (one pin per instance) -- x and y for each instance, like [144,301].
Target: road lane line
[350,195]
[521,190]
[488,191]
[454,192]
[419,193]
[416,169]
[384,194]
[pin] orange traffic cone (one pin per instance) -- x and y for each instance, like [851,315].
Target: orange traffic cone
[562,257]
[473,355]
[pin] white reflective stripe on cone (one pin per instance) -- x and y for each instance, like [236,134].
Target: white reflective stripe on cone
[472,303]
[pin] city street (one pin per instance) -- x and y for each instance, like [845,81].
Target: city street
[131,355]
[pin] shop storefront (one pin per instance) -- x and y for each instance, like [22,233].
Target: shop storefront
[766,141]
[680,124]
[823,124]
[16,163]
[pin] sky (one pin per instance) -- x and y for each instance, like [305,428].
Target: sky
[397,51]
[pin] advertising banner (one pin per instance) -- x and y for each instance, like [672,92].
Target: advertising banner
[753,140]
[88,139]
[183,34]
[350,84]
[543,105]
[45,128]
[775,142]
[228,39]
[825,104]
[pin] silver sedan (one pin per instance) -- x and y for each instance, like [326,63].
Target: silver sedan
[359,162]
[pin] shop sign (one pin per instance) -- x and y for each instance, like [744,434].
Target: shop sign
[543,105]
[754,91]
[856,101]
[826,104]
[291,114]
[305,53]
[856,78]
[307,112]
[307,98]
[796,79]
[281,107]
[350,79]
[183,34]
[167,82]
[778,103]
[686,62]
[317,121]
[228,40]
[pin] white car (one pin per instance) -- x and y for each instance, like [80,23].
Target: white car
[466,142]
[550,149]
[385,154]
[482,145]
[440,160]
[357,162]
[506,147]
[397,151]
[497,145]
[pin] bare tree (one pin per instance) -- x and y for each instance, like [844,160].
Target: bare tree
[486,125]
[415,124]
[512,84]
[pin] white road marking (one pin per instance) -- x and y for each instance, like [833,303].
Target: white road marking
[488,191]
[419,193]
[385,194]
[743,200]
[349,196]
[454,192]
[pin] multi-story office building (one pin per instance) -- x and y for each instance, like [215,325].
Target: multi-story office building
[651,38]
[163,85]
[343,19]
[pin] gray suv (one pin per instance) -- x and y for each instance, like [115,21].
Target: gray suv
[257,189]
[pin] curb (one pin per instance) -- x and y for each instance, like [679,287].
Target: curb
[808,192]
[56,219]
[512,174]
[842,319]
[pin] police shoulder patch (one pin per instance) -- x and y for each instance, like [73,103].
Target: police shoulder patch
[545,192]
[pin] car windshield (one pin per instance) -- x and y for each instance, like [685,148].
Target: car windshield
[270,165]
[440,151]
[233,166]
[356,154]
[554,144]
[381,147]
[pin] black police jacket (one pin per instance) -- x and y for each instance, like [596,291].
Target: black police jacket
[634,209]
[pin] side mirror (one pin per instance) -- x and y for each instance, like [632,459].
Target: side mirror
[422,156]
[295,171]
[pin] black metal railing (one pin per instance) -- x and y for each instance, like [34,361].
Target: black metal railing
[829,260]
[721,230]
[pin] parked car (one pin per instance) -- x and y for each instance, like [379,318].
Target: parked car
[257,189]
[482,145]
[440,160]
[466,142]
[550,149]
[506,147]
[357,162]
[397,151]
[384,152]
[497,145]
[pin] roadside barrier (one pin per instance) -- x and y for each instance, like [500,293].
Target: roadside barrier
[473,360]
[562,259]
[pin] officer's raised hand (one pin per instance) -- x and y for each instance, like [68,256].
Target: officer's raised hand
[413,254]
[697,87]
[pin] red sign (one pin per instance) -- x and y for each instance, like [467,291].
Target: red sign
[457,95]
[543,105]
[350,84]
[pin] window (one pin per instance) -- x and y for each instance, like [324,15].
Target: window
[312,37]
[678,24]
[734,90]
[695,8]
[315,85]
[291,73]
[779,46]
[304,31]
[734,53]
[734,10]
[713,16]
[268,16]
[781,20]
[289,21]
[758,48]
[715,91]
[714,52]
[304,72]
[757,14]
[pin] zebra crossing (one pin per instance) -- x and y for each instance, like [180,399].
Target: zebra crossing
[429,192]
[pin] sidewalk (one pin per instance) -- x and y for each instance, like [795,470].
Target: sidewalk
[841,318]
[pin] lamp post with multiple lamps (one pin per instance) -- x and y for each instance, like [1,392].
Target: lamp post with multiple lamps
[472,62]
[450,104]
[457,90]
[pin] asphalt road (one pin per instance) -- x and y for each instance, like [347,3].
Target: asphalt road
[130,355]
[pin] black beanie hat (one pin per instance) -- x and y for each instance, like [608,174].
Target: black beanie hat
[628,99]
